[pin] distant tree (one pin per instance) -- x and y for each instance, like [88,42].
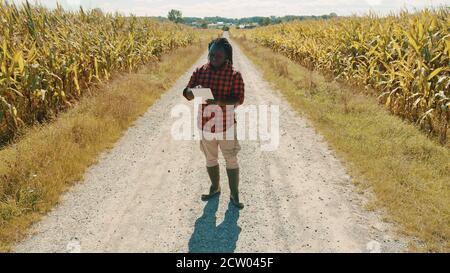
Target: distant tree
[175,16]
[333,14]
[226,28]
[264,21]
[275,20]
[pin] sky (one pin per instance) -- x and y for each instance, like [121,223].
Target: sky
[245,8]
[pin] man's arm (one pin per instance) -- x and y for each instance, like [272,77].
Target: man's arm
[192,83]
[239,88]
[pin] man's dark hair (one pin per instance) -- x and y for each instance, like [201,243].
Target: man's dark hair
[223,43]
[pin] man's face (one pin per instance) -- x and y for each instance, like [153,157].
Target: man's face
[216,56]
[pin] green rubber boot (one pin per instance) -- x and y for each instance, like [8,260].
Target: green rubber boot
[214,176]
[233,181]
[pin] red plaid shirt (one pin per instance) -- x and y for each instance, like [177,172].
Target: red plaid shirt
[225,83]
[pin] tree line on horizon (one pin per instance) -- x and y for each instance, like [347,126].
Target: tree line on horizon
[177,17]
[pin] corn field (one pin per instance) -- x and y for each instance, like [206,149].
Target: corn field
[403,59]
[48,58]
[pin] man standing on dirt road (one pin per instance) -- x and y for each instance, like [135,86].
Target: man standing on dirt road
[217,116]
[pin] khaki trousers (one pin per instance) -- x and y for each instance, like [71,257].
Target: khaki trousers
[229,145]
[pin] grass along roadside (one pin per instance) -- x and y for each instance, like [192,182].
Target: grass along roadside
[407,172]
[48,159]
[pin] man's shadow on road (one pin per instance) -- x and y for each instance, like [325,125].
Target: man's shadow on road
[207,237]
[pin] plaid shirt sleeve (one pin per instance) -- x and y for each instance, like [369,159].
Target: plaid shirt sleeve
[192,82]
[238,87]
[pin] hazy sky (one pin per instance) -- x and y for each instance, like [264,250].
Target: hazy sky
[247,8]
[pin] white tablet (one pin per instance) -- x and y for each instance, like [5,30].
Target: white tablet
[204,93]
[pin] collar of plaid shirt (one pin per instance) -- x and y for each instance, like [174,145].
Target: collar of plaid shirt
[224,82]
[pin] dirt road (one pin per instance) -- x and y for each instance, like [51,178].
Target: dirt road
[144,194]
